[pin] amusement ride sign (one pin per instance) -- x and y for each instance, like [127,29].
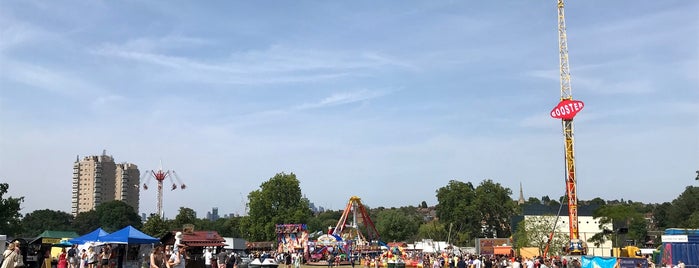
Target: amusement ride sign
[567,109]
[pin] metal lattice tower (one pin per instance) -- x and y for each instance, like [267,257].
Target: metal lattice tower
[569,142]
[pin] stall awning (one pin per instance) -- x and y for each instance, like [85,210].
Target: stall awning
[502,250]
[205,244]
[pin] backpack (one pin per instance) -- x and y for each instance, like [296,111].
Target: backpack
[71,252]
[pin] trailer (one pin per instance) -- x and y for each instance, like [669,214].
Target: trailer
[680,245]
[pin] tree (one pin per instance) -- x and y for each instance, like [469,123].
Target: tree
[455,208]
[279,200]
[9,212]
[39,220]
[484,211]
[683,207]
[115,215]
[323,220]
[597,201]
[230,227]
[397,225]
[619,215]
[423,204]
[495,207]
[661,215]
[86,222]
[155,226]
[433,230]
[535,232]
[533,200]
[111,216]
[184,216]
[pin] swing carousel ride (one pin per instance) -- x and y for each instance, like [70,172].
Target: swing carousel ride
[346,239]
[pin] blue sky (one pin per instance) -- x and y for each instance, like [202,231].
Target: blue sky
[386,100]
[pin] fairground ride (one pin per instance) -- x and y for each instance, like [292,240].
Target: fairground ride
[352,230]
[566,110]
[160,175]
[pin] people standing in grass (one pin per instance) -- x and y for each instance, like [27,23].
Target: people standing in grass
[63,259]
[105,256]
[177,259]
[222,258]
[10,256]
[157,257]
[73,256]
[91,257]
[208,256]
[437,263]
[83,258]
[297,260]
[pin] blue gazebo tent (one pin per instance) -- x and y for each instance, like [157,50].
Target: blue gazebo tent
[128,235]
[93,236]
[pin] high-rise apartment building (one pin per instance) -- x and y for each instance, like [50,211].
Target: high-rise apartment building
[98,179]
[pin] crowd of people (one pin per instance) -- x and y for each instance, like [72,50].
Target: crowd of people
[73,257]
[167,256]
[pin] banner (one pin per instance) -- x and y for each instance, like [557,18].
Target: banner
[598,262]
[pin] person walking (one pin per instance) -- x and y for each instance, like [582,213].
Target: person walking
[105,256]
[157,257]
[63,259]
[222,259]
[10,256]
[287,259]
[72,256]
[91,257]
[461,263]
[297,260]
[208,256]
[83,258]
[177,259]
[437,263]
[330,260]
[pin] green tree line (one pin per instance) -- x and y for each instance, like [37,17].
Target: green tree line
[464,211]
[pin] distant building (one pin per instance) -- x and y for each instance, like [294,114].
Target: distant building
[213,215]
[588,225]
[98,179]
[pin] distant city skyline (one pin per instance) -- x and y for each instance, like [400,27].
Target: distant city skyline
[387,100]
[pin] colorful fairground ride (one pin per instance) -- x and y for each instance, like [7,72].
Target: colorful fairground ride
[353,235]
[291,237]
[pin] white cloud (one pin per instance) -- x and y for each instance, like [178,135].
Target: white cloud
[165,42]
[106,100]
[46,78]
[14,35]
[275,65]
[343,98]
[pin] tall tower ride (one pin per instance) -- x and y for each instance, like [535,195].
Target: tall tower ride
[566,110]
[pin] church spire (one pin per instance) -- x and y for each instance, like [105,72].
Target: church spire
[521,195]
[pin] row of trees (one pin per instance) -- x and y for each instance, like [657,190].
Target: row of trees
[464,212]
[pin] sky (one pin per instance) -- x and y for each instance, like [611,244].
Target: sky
[385,100]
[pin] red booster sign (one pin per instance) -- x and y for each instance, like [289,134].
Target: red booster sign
[567,109]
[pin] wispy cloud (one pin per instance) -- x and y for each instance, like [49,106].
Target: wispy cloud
[106,100]
[165,42]
[14,33]
[275,65]
[606,87]
[46,78]
[594,82]
[343,98]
